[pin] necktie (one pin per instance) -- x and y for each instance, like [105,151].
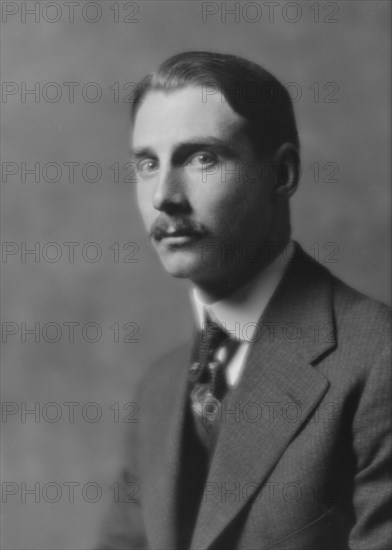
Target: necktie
[208,383]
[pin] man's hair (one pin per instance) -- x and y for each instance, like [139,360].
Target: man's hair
[250,90]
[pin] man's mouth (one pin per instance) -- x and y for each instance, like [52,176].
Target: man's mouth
[178,232]
[175,233]
[179,237]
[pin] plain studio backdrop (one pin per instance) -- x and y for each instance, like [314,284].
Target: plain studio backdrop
[86,305]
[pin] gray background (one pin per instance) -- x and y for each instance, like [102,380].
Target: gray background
[353,212]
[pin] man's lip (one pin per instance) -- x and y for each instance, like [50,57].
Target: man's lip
[180,235]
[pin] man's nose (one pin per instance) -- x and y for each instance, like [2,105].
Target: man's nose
[169,193]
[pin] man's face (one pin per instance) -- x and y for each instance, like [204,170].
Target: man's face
[205,199]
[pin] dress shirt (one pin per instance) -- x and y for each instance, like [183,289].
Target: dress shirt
[240,312]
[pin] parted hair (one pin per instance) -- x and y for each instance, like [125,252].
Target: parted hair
[250,90]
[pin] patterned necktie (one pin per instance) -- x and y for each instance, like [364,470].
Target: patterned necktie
[208,383]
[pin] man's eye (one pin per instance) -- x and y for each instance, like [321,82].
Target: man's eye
[201,159]
[147,166]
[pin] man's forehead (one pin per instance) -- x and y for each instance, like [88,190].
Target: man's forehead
[182,114]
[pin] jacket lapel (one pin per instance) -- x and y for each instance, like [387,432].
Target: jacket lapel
[278,391]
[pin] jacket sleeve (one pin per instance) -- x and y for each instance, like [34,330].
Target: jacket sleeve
[372,446]
[123,526]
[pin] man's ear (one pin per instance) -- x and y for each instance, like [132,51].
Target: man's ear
[287,171]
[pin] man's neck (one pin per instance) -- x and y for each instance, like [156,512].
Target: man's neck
[211,292]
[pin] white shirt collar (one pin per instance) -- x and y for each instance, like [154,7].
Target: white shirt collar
[240,312]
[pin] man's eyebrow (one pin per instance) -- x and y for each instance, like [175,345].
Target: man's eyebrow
[222,146]
[141,152]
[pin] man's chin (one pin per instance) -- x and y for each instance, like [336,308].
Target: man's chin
[181,264]
[180,270]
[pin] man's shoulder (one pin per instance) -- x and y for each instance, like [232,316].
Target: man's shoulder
[363,328]
[362,325]
[359,325]
[350,306]
[361,311]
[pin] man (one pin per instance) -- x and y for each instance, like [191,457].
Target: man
[272,430]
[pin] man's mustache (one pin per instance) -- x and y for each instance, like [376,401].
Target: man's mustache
[166,227]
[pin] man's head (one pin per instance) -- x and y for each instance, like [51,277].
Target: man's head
[216,145]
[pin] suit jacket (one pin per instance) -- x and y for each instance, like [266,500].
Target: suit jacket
[302,461]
